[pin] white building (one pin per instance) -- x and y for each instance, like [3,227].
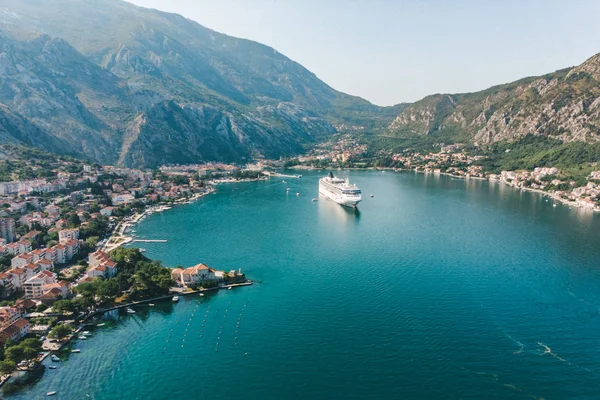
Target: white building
[68,234]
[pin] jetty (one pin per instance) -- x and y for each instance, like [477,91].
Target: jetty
[278,175]
[150,240]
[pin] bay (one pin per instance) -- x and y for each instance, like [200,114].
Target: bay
[437,288]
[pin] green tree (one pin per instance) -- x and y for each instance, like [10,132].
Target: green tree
[41,308]
[107,288]
[63,306]
[29,352]
[60,331]
[92,242]
[14,353]
[7,367]
[73,220]
[32,343]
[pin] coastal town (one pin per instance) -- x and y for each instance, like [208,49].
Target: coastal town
[64,224]
[581,191]
[61,254]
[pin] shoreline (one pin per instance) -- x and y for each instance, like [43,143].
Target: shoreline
[85,321]
[118,234]
[567,202]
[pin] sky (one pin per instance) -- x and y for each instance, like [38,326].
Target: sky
[393,51]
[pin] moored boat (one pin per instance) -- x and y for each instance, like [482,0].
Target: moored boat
[175,299]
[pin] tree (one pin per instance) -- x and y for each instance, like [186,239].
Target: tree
[107,288]
[32,343]
[7,367]
[60,331]
[63,306]
[73,220]
[29,352]
[92,242]
[41,308]
[14,353]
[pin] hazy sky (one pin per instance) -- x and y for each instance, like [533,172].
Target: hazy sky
[392,51]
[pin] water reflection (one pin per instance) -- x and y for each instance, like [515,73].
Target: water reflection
[330,210]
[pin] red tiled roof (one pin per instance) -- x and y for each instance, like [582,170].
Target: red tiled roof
[52,293]
[21,323]
[17,271]
[46,273]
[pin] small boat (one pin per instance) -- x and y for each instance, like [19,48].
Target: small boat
[55,358]
[102,324]
[288,189]
[175,299]
[314,199]
[151,304]
[86,333]
[298,194]
[82,337]
[371,196]
[229,288]
[201,294]
[50,393]
[76,351]
[129,310]
[52,367]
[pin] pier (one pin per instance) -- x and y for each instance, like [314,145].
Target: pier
[277,175]
[150,240]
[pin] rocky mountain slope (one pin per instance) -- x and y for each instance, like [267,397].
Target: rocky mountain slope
[564,105]
[121,84]
[134,86]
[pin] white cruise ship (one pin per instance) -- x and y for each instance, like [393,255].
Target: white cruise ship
[340,190]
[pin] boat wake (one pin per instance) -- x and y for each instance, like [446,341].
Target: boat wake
[518,343]
[548,350]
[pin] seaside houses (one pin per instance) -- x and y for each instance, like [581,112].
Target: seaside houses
[8,316]
[193,275]
[33,286]
[45,286]
[101,265]
[15,331]
[122,198]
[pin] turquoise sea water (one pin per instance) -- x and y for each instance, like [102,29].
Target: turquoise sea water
[437,289]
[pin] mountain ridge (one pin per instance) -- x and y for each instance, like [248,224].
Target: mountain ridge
[122,84]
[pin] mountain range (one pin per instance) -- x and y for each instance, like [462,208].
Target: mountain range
[120,84]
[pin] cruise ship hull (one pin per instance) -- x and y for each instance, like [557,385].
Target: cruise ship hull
[340,199]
